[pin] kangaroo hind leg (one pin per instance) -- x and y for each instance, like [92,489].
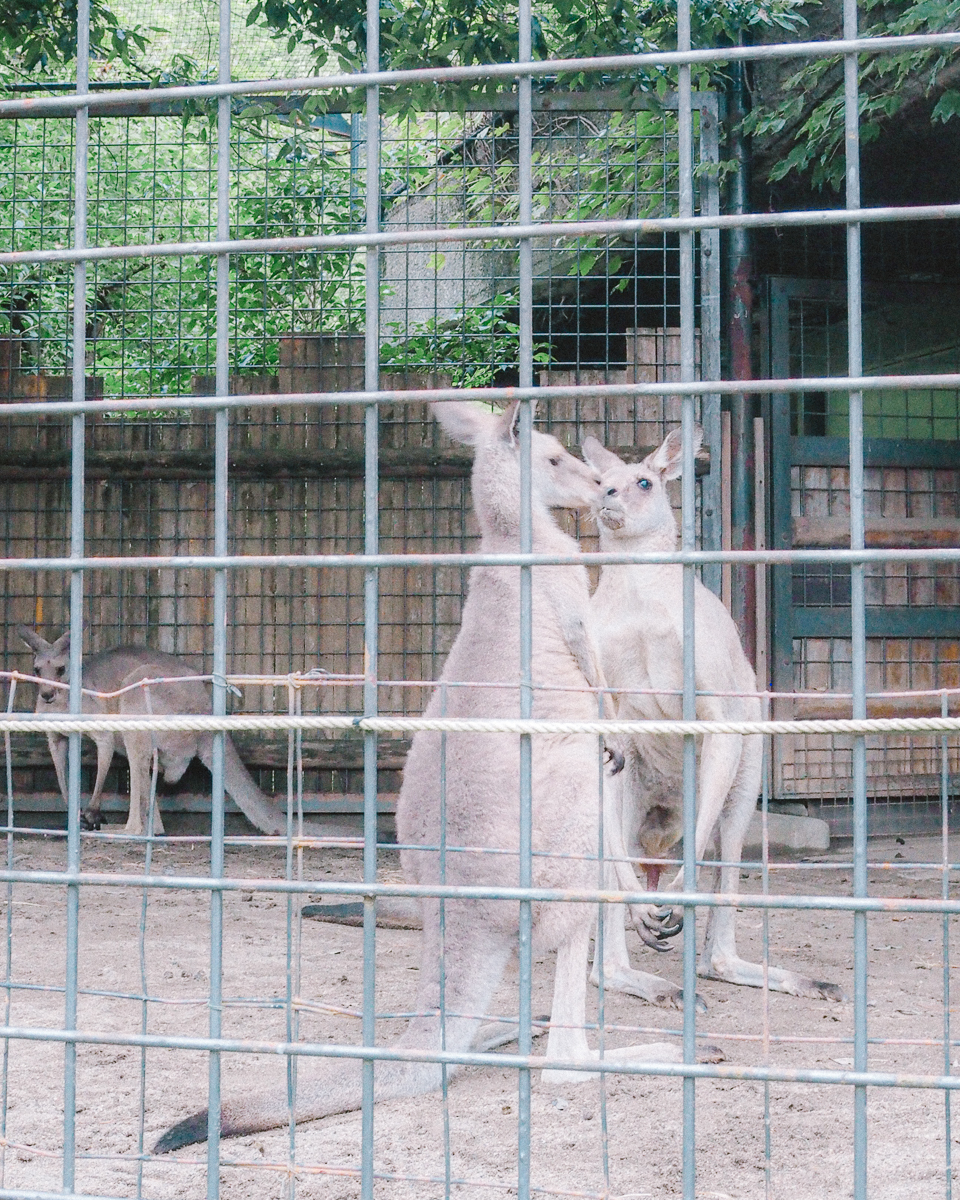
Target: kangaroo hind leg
[90,818]
[139,748]
[568,1038]
[719,958]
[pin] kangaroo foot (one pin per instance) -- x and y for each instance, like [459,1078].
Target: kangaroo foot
[90,820]
[647,987]
[747,974]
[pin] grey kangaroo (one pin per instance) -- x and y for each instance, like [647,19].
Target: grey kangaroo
[482,795]
[111,670]
[637,615]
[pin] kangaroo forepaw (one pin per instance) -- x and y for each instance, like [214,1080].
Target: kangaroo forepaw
[613,759]
[656,924]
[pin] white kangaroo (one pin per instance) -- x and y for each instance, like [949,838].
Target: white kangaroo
[638,623]
[482,794]
[111,670]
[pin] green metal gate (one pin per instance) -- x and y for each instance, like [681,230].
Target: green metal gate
[912,500]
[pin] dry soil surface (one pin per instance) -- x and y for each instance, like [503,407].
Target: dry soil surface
[810,1125]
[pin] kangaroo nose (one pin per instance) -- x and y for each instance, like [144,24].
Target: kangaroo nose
[611,491]
[48,696]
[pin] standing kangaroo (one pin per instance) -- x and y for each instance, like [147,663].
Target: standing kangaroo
[111,670]
[638,622]
[482,778]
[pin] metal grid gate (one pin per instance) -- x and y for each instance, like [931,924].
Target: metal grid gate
[161,1020]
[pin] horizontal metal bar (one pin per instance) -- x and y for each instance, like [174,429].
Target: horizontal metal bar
[101,101]
[487,233]
[276,722]
[209,562]
[599,100]
[147,405]
[328,887]
[476,1059]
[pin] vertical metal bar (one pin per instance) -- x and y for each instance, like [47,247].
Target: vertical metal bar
[371,590]
[945,894]
[294,814]
[688,538]
[142,946]
[525,365]
[765,920]
[220,541]
[8,963]
[444,1071]
[77,515]
[851,120]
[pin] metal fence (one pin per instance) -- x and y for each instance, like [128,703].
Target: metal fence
[121,1028]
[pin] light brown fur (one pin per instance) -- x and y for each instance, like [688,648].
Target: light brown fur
[112,670]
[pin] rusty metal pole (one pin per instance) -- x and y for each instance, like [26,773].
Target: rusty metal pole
[740,340]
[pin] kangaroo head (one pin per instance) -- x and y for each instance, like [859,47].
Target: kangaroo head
[557,478]
[633,503]
[51,661]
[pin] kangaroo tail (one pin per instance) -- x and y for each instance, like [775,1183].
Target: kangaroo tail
[335,1088]
[393,912]
[261,811]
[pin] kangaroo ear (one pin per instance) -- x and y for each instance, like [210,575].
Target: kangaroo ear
[510,422]
[667,459]
[599,456]
[465,421]
[33,639]
[62,644]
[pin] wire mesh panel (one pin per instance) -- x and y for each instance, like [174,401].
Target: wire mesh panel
[270,367]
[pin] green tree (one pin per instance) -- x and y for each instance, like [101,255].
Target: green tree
[43,33]
[803,131]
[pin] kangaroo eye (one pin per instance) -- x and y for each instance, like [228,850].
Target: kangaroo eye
[554,462]
[644,484]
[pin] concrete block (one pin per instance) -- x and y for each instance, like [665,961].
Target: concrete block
[787,834]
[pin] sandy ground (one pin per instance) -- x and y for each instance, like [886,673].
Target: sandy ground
[811,1126]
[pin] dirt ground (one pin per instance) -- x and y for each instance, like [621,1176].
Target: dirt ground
[811,1126]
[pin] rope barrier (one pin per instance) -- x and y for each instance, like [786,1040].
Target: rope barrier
[206,723]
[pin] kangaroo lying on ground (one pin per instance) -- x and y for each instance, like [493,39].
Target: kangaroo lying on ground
[638,622]
[111,670]
[482,795]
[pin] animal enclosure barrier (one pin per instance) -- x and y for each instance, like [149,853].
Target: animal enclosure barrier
[216,372]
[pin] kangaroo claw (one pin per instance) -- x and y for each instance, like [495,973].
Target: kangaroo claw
[665,914]
[651,939]
[613,759]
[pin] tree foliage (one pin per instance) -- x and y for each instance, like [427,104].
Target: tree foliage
[473,32]
[807,123]
[42,33]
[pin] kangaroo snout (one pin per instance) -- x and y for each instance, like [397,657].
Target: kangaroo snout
[48,695]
